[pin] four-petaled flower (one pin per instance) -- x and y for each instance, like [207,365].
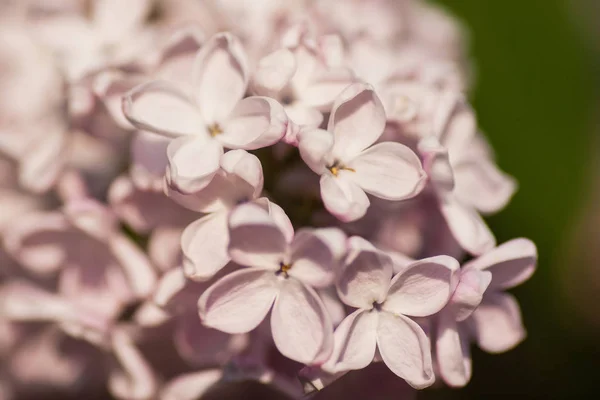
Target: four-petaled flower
[384,304]
[283,270]
[350,164]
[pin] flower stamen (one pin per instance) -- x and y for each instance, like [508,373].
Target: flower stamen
[337,166]
[284,269]
[215,129]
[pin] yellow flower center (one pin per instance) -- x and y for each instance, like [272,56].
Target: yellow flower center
[215,129]
[337,166]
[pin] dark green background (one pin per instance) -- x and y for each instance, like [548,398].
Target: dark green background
[535,95]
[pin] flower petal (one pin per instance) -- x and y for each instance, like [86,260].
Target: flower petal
[238,302]
[365,277]
[315,255]
[302,329]
[497,323]
[315,146]
[342,197]
[480,183]
[135,378]
[193,162]
[38,241]
[325,87]
[355,341]
[388,170]
[161,108]
[467,226]
[204,245]
[255,239]
[405,349]
[220,76]
[469,293]
[149,160]
[191,386]
[136,265]
[247,166]
[452,352]
[511,263]
[422,288]
[274,72]
[255,122]
[357,120]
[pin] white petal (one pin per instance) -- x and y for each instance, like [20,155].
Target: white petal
[220,76]
[204,245]
[357,120]
[355,341]
[388,170]
[238,302]
[193,162]
[274,72]
[255,239]
[511,263]
[301,327]
[365,277]
[405,349]
[453,358]
[467,226]
[161,108]
[315,255]
[497,322]
[315,147]
[247,166]
[422,288]
[342,197]
[255,122]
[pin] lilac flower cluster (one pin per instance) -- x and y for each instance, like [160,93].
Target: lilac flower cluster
[195,193]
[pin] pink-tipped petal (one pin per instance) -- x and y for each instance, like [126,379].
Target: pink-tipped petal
[511,263]
[255,122]
[220,76]
[204,245]
[452,352]
[357,120]
[366,275]
[405,349]
[342,197]
[161,108]
[193,162]
[497,323]
[388,170]
[301,327]
[422,288]
[467,226]
[238,302]
[255,239]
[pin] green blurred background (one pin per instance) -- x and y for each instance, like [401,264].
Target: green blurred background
[536,94]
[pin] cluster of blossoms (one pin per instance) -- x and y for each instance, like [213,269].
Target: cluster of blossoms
[196,193]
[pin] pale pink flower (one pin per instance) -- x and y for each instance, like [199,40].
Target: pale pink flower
[479,309]
[300,76]
[204,242]
[464,176]
[210,116]
[283,269]
[384,304]
[350,164]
